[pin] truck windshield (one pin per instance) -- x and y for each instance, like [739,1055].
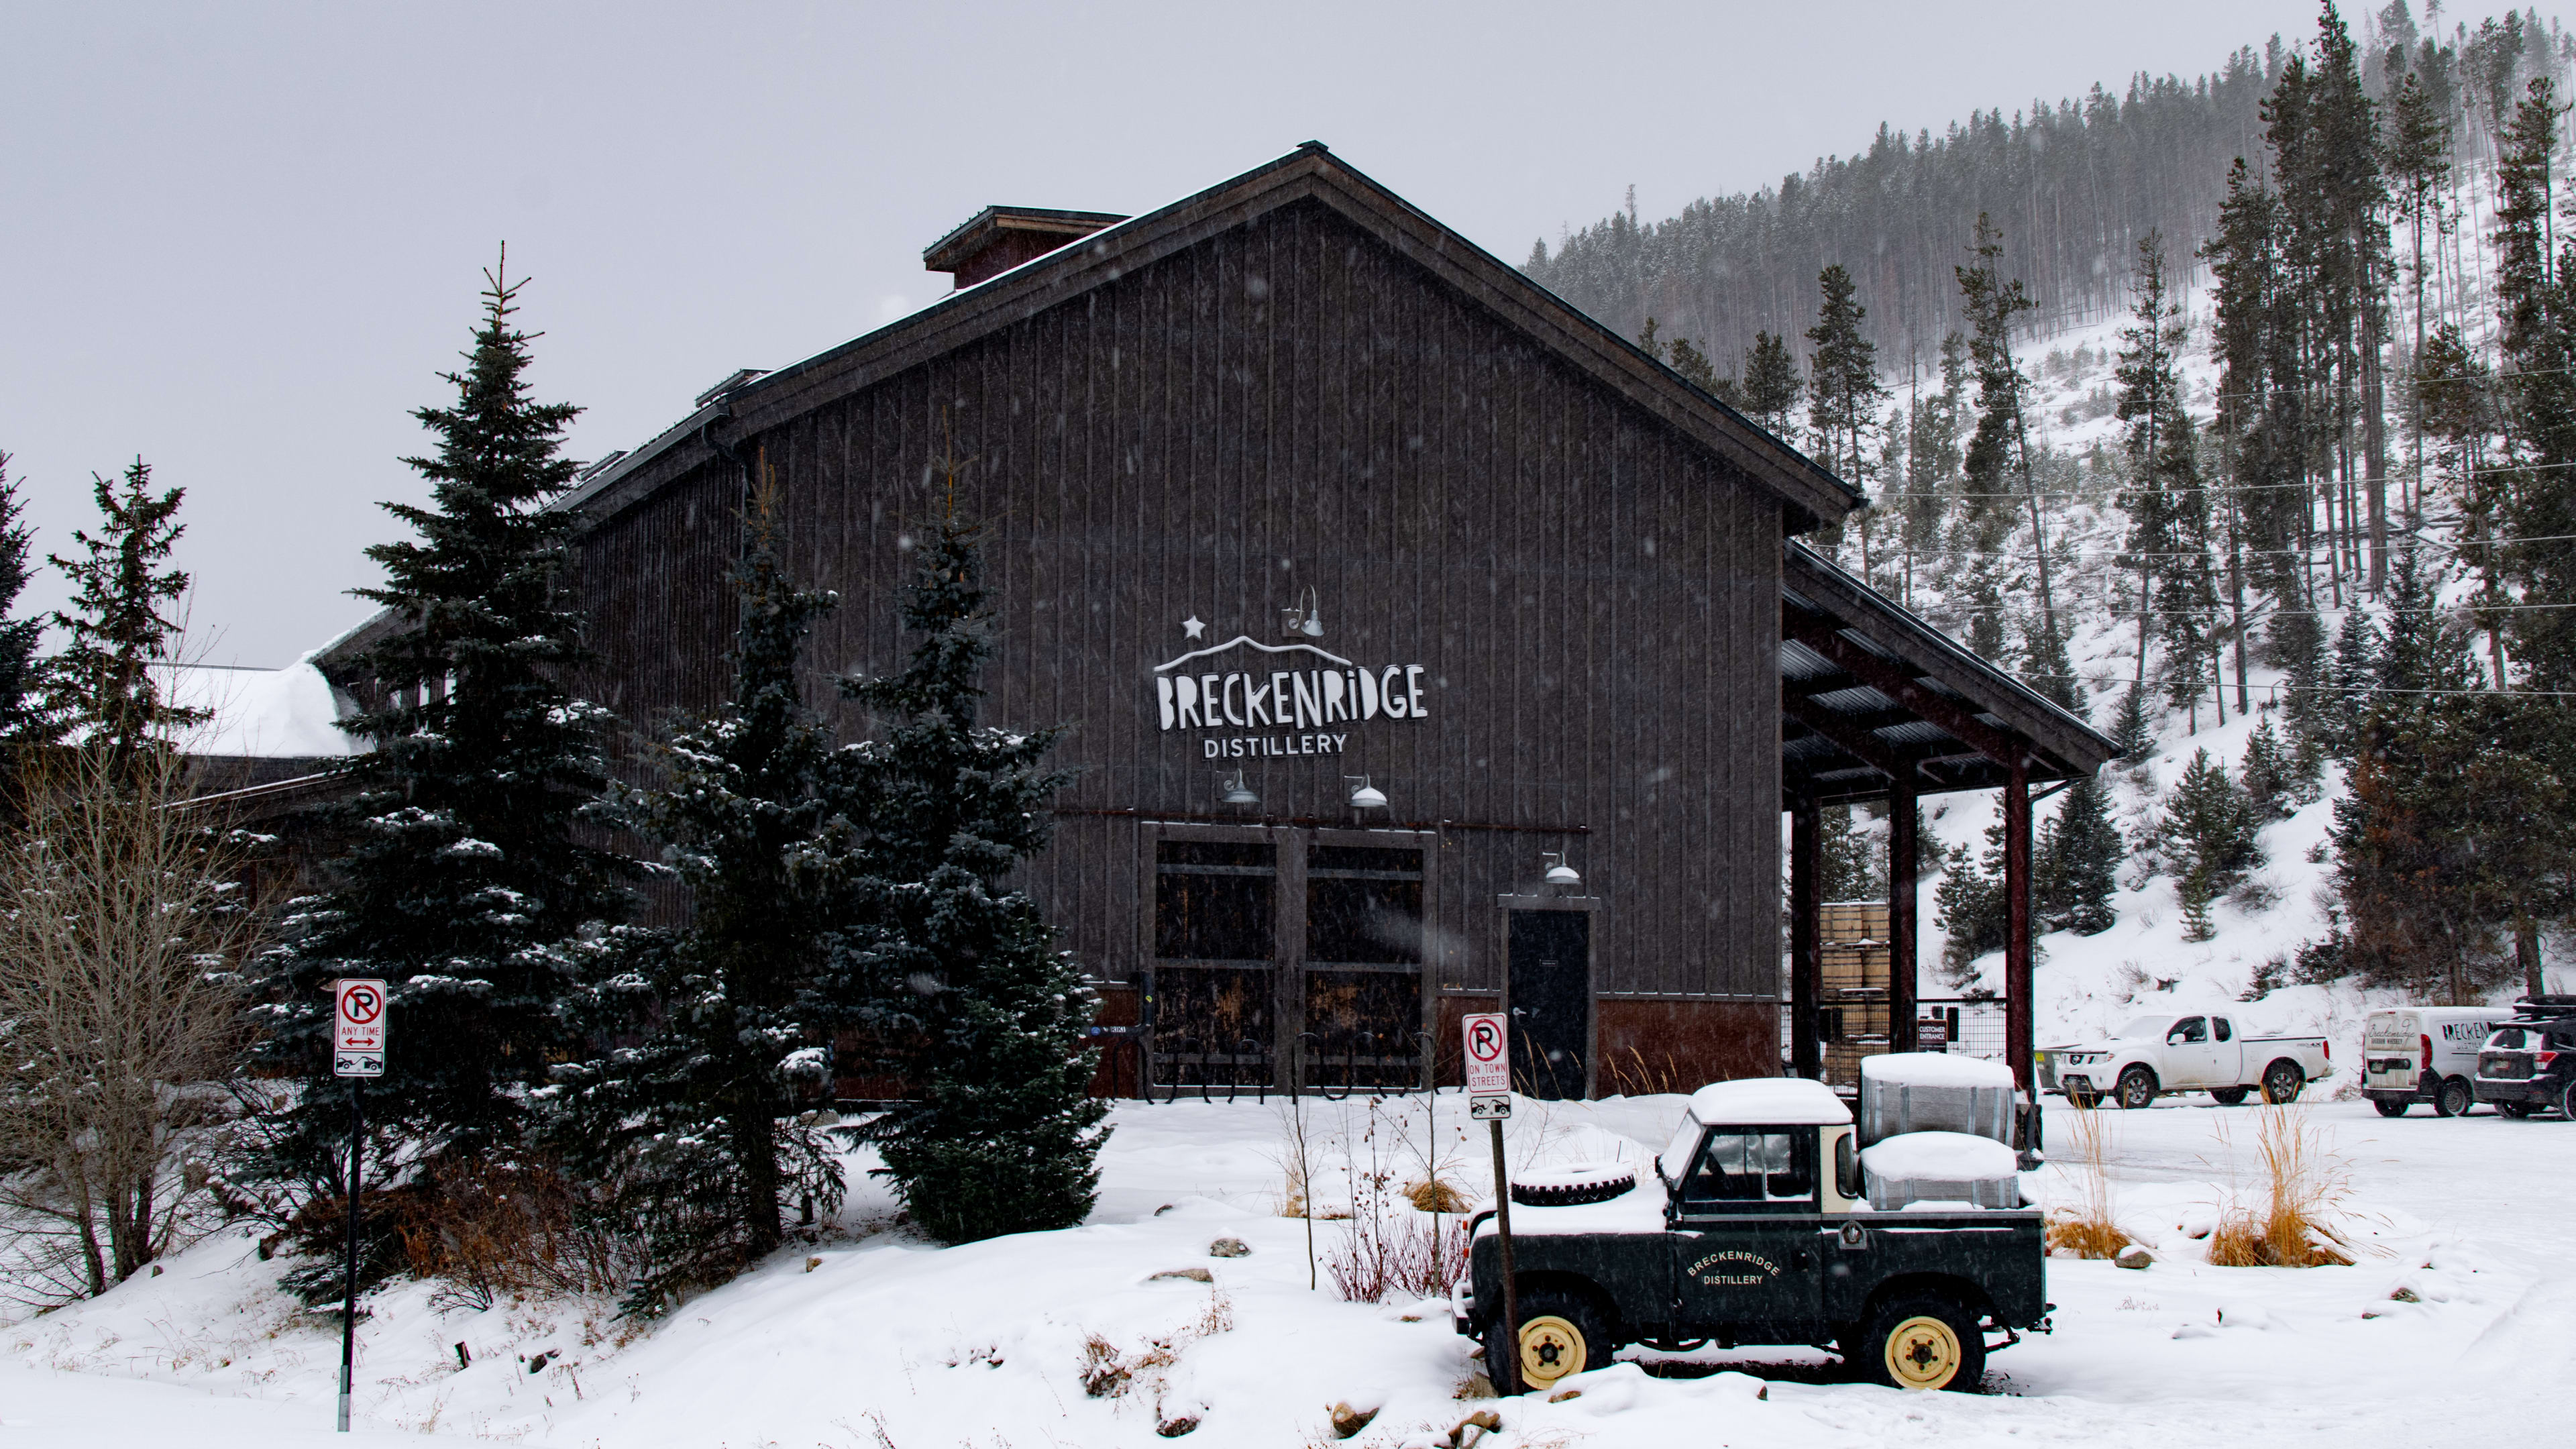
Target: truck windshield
[1749,1165]
[1674,1160]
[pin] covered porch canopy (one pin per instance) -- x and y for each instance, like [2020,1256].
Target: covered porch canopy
[1876,704]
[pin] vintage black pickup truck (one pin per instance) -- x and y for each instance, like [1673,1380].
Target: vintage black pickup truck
[1759,1231]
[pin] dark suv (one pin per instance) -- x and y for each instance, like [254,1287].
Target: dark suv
[2530,1061]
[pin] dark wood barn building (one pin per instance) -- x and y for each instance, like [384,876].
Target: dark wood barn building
[1375,582]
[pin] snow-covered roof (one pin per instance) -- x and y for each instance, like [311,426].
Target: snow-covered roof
[1768,1101]
[285,713]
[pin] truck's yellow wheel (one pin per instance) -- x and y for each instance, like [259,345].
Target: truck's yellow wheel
[1923,1353]
[1551,1348]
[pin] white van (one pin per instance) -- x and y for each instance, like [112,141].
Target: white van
[2425,1054]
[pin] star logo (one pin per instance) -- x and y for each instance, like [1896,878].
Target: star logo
[1193,627]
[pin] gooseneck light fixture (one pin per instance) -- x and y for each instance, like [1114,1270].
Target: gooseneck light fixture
[1559,874]
[1364,796]
[1303,620]
[1235,791]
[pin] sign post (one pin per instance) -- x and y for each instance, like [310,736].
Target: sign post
[357,1053]
[1489,1096]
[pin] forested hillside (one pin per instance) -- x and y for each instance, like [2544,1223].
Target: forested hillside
[2072,186]
[2240,416]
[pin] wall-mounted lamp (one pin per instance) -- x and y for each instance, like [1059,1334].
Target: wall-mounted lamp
[1364,796]
[1559,874]
[1236,792]
[1305,619]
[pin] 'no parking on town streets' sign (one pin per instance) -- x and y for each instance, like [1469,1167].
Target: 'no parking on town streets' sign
[1489,1067]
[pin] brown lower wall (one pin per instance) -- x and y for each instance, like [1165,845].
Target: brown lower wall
[1681,1046]
[1642,1046]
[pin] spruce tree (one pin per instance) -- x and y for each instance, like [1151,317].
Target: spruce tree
[1998,461]
[2269,775]
[1001,1137]
[718,1032]
[2131,729]
[102,684]
[1771,385]
[2077,862]
[2207,835]
[24,720]
[1854,863]
[468,884]
[2453,838]
[1972,907]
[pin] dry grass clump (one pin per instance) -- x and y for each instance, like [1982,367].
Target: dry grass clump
[2306,1183]
[1635,1077]
[1436,1196]
[2087,1228]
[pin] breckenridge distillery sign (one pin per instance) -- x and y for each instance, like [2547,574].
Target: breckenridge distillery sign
[1286,708]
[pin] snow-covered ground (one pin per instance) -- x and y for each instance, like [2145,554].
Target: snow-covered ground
[870,1337]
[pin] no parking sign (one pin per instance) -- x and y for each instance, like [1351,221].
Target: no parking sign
[357,1028]
[1489,1067]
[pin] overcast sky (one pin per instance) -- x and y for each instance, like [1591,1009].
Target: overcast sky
[239,240]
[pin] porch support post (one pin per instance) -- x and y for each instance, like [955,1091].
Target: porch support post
[1901,898]
[2017,985]
[1806,921]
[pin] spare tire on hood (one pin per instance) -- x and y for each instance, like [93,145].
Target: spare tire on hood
[1581,1182]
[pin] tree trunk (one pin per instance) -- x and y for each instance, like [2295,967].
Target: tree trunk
[2526,954]
[755,1146]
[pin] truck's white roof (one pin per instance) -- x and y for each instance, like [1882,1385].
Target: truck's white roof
[1768,1101]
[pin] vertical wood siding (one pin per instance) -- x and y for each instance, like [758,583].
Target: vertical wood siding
[1290,405]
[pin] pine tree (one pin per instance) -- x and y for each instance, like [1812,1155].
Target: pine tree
[2269,774]
[24,719]
[1854,860]
[2454,836]
[2131,730]
[1002,1136]
[2207,836]
[1972,907]
[1998,460]
[723,1027]
[467,884]
[102,684]
[1844,395]
[1771,385]
[2076,863]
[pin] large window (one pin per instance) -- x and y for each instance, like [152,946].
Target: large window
[1363,964]
[1215,935]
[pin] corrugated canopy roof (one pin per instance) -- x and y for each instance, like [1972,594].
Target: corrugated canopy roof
[1868,688]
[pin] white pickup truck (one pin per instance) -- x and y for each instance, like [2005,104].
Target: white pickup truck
[2200,1052]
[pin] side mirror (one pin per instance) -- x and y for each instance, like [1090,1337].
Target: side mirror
[1846,1167]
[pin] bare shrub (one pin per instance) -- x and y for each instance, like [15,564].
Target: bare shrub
[485,1232]
[124,921]
[1397,1253]
[2087,1228]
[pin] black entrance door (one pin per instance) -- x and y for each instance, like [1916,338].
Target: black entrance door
[1551,999]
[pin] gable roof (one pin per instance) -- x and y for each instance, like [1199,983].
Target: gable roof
[1811,494]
